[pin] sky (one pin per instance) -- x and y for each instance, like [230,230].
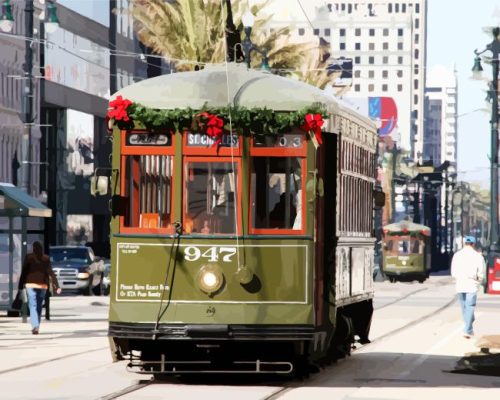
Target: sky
[454,30]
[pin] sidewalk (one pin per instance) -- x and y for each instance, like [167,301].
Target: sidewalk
[77,325]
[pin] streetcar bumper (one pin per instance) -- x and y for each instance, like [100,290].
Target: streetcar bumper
[147,331]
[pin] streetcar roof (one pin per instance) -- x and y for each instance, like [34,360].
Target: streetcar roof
[405,226]
[244,87]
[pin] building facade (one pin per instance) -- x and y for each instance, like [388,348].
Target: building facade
[387,42]
[440,137]
[13,159]
[92,54]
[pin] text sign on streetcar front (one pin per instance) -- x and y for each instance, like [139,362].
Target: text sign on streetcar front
[148,139]
[202,140]
[150,284]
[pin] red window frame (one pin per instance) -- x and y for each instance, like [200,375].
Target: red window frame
[279,152]
[238,201]
[212,150]
[127,150]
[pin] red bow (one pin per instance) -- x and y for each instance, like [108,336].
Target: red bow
[313,122]
[214,127]
[119,109]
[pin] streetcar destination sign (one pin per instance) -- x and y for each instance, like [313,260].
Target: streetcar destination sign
[148,139]
[202,140]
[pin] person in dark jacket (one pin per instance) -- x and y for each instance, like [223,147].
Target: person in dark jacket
[36,277]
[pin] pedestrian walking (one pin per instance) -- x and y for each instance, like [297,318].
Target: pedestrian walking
[468,269]
[36,276]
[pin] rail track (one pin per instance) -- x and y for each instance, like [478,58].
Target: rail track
[293,383]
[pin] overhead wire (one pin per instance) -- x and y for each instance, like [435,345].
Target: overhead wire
[235,175]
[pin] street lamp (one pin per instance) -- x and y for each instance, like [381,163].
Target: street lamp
[477,69]
[28,118]
[6,18]
[248,20]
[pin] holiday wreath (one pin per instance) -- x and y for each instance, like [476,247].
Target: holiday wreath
[214,121]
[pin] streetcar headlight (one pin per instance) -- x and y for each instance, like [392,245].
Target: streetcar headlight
[210,278]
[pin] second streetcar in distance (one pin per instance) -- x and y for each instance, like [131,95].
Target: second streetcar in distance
[406,252]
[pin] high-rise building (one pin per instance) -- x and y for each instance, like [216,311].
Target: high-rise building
[440,138]
[387,42]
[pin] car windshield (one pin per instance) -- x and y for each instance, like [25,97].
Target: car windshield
[74,255]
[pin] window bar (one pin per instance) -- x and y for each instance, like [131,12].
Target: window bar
[210,191]
[168,183]
[161,190]
[142,180]
[288,166]
[154,184]
[130,177]
[146,181]
[268,173]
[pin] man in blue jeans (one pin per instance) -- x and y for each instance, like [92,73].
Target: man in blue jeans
[468,269]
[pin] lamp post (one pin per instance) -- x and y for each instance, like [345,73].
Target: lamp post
[248,20]
[477,69]
[28,118]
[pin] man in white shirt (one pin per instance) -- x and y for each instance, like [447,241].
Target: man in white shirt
[468,269]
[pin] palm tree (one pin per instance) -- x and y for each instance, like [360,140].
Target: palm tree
[192,32]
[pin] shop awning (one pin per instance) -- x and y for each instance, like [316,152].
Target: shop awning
[14,202]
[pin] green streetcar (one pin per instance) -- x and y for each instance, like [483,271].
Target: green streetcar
[406,252]
[242,237]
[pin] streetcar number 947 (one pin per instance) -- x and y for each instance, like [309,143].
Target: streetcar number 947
[224,254]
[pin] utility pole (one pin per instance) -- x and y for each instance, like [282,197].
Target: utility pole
[394,152]
[28,95]
[477,69]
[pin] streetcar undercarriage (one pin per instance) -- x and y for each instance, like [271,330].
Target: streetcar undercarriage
[197,348]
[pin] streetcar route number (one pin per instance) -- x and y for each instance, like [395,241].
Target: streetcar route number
[213,254]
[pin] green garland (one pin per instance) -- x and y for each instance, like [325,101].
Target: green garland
[244,120]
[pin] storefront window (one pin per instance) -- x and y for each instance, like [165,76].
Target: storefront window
[210,197]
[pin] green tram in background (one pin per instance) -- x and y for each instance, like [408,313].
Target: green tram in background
[245,251]
[406,252]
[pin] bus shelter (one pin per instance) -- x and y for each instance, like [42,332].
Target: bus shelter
[21,223]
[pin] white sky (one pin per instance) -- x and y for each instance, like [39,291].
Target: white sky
[454,31]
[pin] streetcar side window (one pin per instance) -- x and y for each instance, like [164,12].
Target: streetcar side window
[276,193]
[210,197]
[148,189]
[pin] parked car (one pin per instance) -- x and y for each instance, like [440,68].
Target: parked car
[77,268]
[106,282]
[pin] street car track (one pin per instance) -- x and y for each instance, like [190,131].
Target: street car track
[36,364]
[129,389]
[293,382]
[401,298]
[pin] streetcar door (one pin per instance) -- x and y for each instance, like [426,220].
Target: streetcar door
[325,246]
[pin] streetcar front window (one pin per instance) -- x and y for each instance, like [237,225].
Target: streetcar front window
[210,197]
[404,247]
[276,193]
[148,188]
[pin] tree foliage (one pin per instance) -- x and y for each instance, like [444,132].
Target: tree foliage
[192,32]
